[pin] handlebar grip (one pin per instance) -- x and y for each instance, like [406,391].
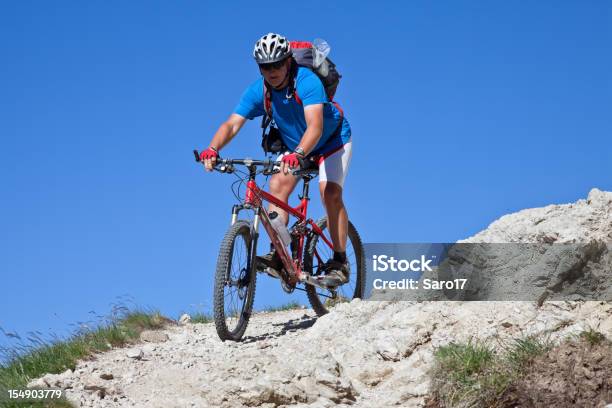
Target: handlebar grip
[298,171]
[197,155]
[302,162]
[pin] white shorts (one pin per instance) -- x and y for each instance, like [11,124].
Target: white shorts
[333,166]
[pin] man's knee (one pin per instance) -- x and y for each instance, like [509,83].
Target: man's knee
[331,194]
[280,185]
[276,185]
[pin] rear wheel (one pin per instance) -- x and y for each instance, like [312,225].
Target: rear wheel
[235,280]
[317,252]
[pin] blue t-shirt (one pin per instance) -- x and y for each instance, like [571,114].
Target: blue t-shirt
[289,115]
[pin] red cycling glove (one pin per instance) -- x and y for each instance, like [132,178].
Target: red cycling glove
[292,160]
[208,154]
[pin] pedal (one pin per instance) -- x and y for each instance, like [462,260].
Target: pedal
[328,283]
[272,272]
[319,281]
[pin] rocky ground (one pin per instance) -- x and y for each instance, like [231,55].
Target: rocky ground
[362,354]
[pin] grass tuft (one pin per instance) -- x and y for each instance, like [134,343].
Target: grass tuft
[592,336]
[459,371]
[464,360]
[522,351]
[287,306]
[200,317]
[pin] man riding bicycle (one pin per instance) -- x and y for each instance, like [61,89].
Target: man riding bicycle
[312,129]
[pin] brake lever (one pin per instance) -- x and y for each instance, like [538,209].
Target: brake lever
[224,167]
[269,169]
[227,168]
[269,172]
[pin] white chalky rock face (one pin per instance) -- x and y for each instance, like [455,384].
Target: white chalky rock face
[581,221]
[362,354]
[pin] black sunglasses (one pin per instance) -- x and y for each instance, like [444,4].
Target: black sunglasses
[272,66]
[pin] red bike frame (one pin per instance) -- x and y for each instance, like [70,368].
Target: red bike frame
[254,197]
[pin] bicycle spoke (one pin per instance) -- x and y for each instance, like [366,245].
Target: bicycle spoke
[235,301]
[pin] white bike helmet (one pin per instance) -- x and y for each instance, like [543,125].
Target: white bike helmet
[271,48]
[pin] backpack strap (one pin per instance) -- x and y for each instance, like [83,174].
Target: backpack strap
[267,101]
[291,89]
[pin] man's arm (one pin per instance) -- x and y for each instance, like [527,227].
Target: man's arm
[224,134]
[314,127]
[227,131]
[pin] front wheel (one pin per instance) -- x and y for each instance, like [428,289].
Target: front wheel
[317,252]
[235,280]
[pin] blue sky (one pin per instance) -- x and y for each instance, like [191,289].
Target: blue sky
[461,112]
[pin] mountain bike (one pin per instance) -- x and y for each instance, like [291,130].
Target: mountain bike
[302,259]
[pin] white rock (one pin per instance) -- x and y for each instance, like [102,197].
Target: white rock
[184,319]
[134,353]
[38,383]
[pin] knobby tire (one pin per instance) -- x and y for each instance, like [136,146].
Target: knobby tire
[240,230]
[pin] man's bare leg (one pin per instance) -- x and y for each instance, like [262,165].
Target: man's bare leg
[281,186]
[337,217]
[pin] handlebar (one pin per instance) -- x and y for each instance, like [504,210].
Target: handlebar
[227,165]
